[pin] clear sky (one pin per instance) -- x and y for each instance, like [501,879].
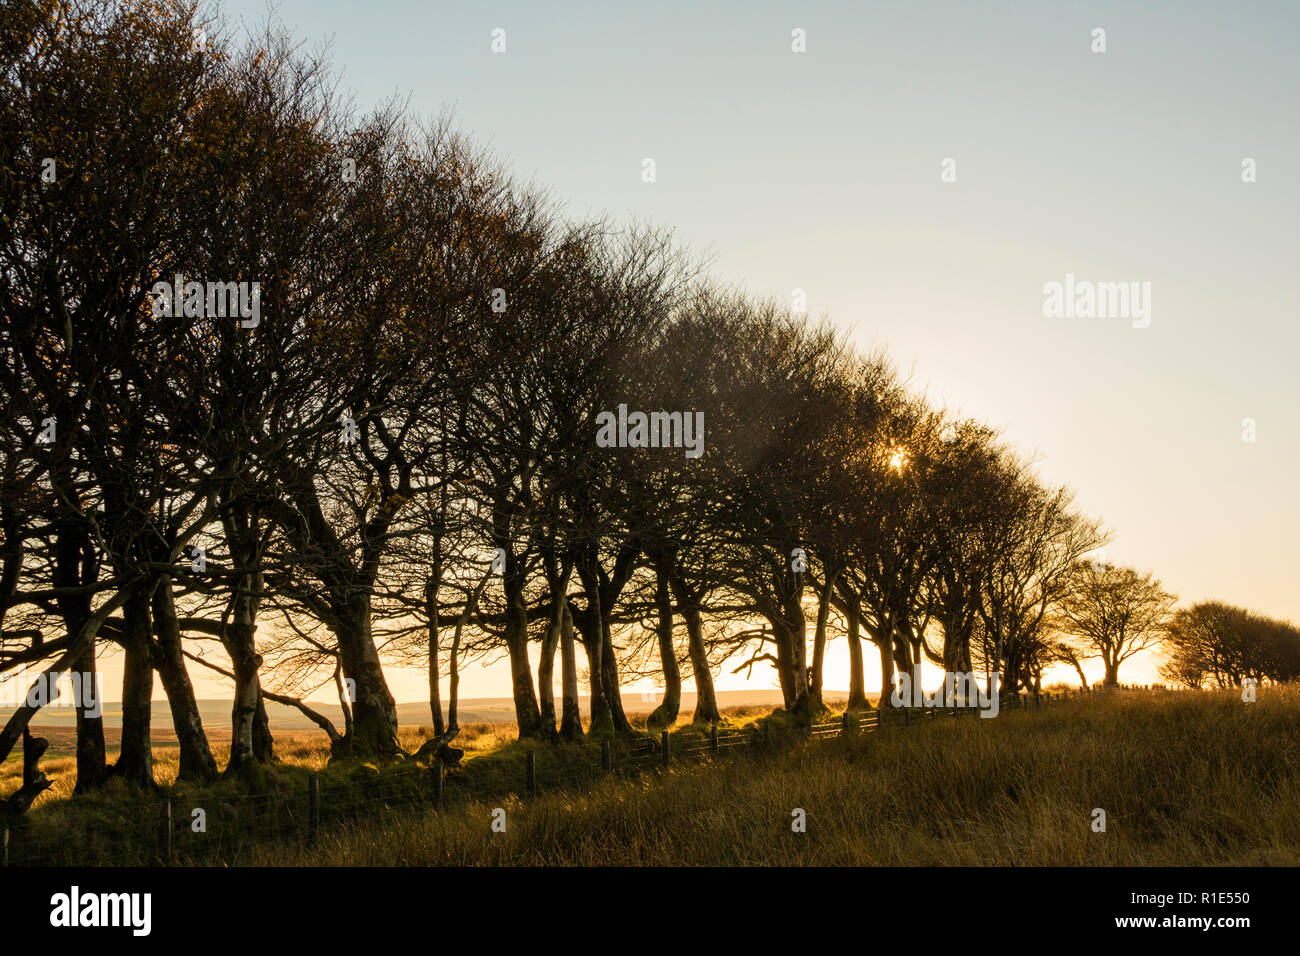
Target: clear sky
[821,171]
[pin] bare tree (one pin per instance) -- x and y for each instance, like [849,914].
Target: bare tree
[1113,613]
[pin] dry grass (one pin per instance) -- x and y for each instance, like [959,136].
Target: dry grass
[119,825]
[1185,779]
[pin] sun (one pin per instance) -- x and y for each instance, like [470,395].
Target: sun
[897,460]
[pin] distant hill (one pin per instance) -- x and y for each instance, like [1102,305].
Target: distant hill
[489,710]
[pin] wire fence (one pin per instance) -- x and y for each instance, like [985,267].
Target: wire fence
[227,829]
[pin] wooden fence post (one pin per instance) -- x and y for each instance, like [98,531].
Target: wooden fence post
[713,739]
[313,809]
[845,728]
[532,773]
[663,739]
[606,760]
[767,734]
[165,833]
[907,716]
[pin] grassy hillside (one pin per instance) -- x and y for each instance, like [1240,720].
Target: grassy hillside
[1191,779]
[1185,779]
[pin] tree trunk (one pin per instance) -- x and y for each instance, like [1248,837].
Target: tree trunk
[263,742]
[92,759]
[571,718]
[706,699]
[560,633]
[589,627]
[240,643]
[431,615]
[902,652]
[796,649]
[196,761]
[135,760]
[885,645]
[609,671]
[784,667]
[75,565]
[819,641]
[453,677]
[996,666]
[374,712]
[526,713]
[602,718]
[665,715]
[917,660]
[250,729]
[546,670]
[1011,675]
[857,672]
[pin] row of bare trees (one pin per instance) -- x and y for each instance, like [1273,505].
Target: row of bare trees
[393,456]
[1219,645]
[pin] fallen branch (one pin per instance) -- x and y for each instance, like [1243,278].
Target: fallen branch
[437,747]
[34,782]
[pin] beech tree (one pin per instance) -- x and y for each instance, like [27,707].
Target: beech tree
[1216,644]
[1113,613]
[1034,545]
[92,89]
